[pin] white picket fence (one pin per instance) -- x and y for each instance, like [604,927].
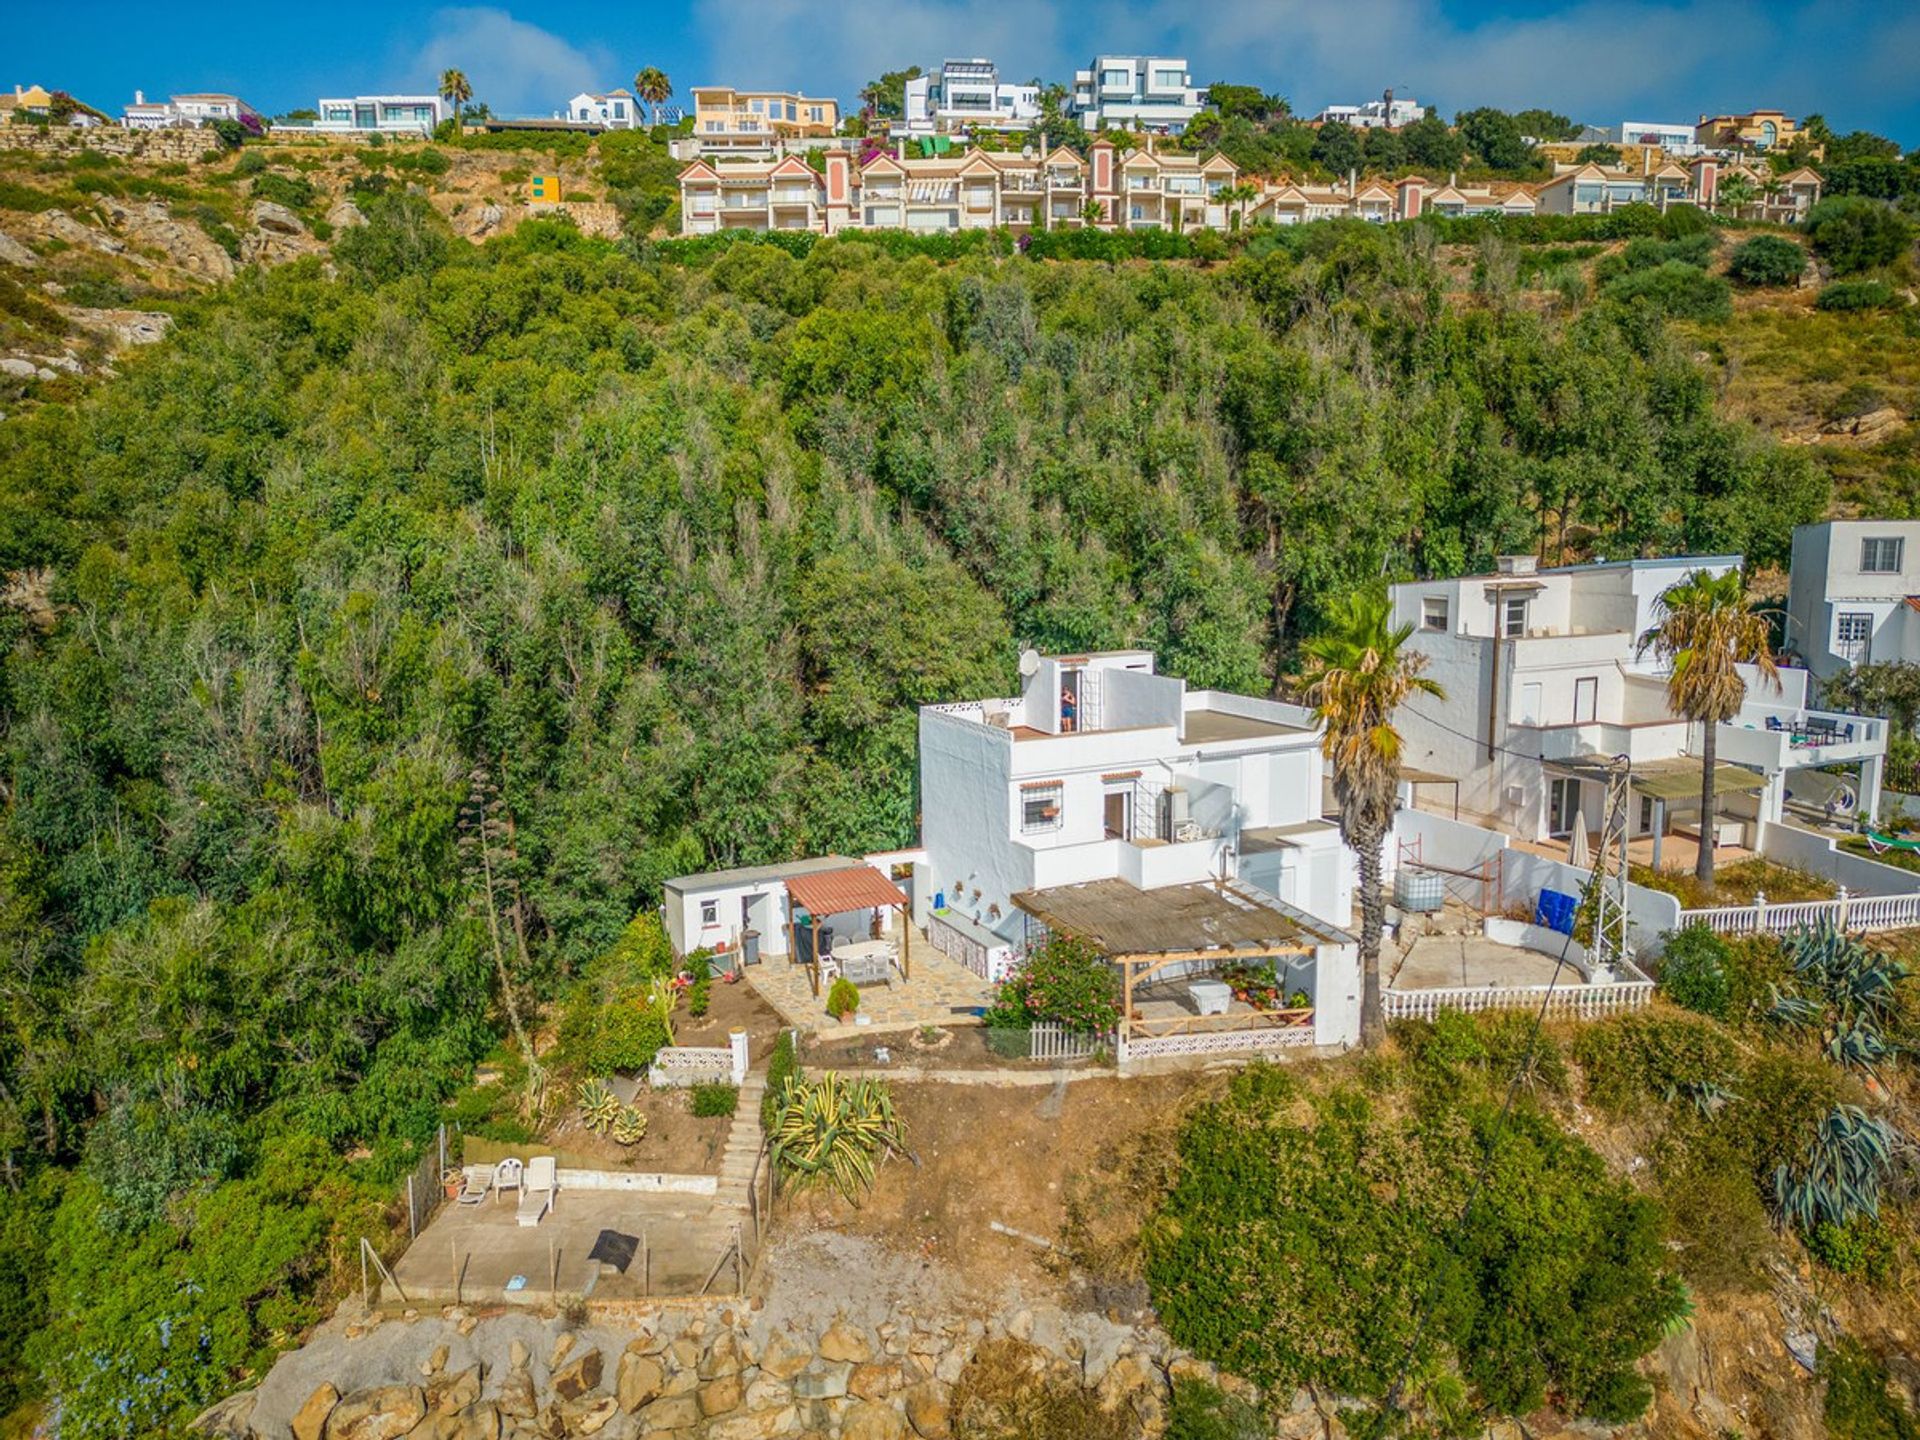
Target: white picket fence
[1578,1001]
[1053,1041]
[1870,912]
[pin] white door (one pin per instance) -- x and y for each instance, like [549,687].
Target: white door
[1563,803]
[1586,699]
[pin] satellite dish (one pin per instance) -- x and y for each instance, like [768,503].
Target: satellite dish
[1029,662]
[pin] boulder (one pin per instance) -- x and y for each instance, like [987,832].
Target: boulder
[562,1347]
[14,253]
[516,1399]
[671,1412]
[589,1414]
[784,1356]
[870,1420]
[518,1354]
[277,219]
[476,1422]
[873,1382]
[231,1419]
[822,1381]
[450,1394]
[842,1342]
[123,328]
[637,1379]
[578,1377]
[345,215]
[718,1397]
[383,1412]
[310,1420]
[927,1410]
[62,226]
[759,1425]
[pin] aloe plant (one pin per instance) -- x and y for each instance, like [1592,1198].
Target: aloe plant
[1840,1174]
[598,1105]
[834,1131]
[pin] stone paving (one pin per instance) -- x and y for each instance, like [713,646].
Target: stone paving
[941,992]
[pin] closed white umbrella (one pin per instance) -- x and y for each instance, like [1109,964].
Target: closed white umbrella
[1579,853]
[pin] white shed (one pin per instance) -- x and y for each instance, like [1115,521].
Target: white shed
[714,910]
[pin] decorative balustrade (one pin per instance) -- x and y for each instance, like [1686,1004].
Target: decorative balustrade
[1569,1002]
[1871,912]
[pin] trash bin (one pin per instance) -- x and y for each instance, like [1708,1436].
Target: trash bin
[750,947]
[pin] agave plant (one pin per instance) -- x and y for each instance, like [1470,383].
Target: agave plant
[1840,1174]
[598,1105]
[834,1131]
[1845,989]
[629,1126]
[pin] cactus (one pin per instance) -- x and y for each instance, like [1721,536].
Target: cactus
[598,1107]
[630,1126]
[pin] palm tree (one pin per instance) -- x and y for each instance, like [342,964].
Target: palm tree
[455,90]
[1357,674]
[1704,631]
[1238,196]
[1736,192]
[652,86]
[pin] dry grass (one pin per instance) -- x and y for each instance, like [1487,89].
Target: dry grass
[1737,884]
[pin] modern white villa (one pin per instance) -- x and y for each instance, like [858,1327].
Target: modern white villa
[1137,92]
[1542,672]
[1854,597]
[377,114]
[965,95]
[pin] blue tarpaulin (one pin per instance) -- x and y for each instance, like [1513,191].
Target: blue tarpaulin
[1556,911]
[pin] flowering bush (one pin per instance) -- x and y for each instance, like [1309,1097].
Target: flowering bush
[1068,981]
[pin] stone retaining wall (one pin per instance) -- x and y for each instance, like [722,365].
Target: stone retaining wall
[164,145]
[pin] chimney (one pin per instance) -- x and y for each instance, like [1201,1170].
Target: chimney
[1516,564]
[139,97]
[1453,178]
[1353,182]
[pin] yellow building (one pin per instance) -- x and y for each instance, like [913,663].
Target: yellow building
[1756,130]
[728,119]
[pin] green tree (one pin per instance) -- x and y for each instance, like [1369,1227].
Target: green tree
[1432,145]
[1356,675]
[1497,139]
[1704,631]
[1337,147]
[1853,234]
[1545,125]
[886,98]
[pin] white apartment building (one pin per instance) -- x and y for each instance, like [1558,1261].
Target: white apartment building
[966,95]
[1854,596]
[1137,92]
[1543,676]
[1101,770]
[380,115]
[616,110]
[1386,113]
[1133,190]
[1675,139]
[184,112]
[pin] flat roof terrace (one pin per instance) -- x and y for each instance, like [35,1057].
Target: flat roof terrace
[1213,727]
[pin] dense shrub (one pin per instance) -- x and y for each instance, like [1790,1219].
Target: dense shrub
[1066,981]
[1852,233]
[1766,260]
[711,1100]
[781,1067]
[843,998]
[1859,1404]
[1493,1046]
[1645,1056]
[630,1034]
[1693,971]
[1551,1285]
[1201,1411]
[1676,289]
[1857,295]
[1648,253]
[293,191]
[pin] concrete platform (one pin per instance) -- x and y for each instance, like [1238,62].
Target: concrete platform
[1448,962]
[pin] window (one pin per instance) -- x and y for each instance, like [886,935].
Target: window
[793,111]
[757,106]
[1880,555]
[1513,615]
[709,912]
[1563,803]
[1039,809]
[1433,613]
[1853,634]
[816,115]
[1116,79]
[1169,79]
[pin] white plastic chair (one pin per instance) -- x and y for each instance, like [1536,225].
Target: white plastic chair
[507,1175]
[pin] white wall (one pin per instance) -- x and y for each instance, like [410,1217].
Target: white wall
[1804,850]
[965,820]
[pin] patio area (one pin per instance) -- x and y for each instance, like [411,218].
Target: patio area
[1679,853]
[941,992]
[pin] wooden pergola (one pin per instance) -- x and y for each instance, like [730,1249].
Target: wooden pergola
[836,892]
[1146,932]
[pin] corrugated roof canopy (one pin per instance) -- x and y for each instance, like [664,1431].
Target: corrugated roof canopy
[1679,779]
[835,892]
[1124,920]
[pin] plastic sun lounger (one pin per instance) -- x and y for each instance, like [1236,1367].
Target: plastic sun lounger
[537,1198]
[1879,843]
[476,1181]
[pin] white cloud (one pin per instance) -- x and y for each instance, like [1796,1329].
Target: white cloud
[514,66]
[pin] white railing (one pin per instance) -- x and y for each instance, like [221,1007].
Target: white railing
[1214,1042]
[1050,1040]
[1577,1001]
[1872,912]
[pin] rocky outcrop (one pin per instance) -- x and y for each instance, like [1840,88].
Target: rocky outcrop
[150,225]
[277,236]
[12,252]
[121,328]
[345,215]
[58,225]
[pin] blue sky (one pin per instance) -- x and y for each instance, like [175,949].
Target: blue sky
[1601,61]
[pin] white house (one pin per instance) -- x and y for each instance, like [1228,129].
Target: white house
[1854,596]
[1542,672]
[1137,92]
[768,910]
[966,95]
[184,112]
[1387,113]
[616,110]
[1176,802]
[381,114]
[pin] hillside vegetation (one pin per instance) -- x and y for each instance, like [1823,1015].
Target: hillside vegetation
[664,546]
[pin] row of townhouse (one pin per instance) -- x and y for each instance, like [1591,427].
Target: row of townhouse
[186,112]
[1110,188]
[1598,189]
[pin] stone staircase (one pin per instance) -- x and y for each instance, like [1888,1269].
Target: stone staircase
[743,1145]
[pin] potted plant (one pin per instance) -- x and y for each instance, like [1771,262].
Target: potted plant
[843,999]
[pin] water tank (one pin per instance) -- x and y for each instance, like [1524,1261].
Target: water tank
[1419,891]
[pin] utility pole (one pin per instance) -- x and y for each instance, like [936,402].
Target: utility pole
[1609,947]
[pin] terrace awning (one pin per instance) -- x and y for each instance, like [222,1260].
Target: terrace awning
[1679,779]
[835,892]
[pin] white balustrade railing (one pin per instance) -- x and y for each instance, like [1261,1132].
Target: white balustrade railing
[1871,912]
[1577,1002]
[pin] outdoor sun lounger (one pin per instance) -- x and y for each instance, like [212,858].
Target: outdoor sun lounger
[476,1181]
[537,1198]
[1879,843]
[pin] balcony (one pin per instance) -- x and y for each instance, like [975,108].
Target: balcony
[1778,738]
